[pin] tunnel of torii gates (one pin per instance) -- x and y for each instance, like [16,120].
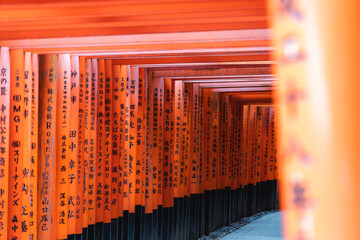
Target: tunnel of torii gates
[159,119]
[104,150]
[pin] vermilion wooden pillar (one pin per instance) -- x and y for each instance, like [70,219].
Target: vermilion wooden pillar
[318,48]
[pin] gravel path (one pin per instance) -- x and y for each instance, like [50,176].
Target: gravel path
[223,231]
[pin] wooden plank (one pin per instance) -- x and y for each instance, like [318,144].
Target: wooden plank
[155,137]
[178,115]
[212,71]
[92,145]
[62,150]
[100,143]
[186,170]
[4,144]
[48,77]
[80,176]
[134,178]
[116,172]
[214,136]
[265,143]
[26,168]
[108,142]
[121,10]
[141,134]
[161,144]
[16,149]
[33,229]
[258,153]
[87,143]
[207,137]
[125,77]
[149,147]
[168,143]
[73,167]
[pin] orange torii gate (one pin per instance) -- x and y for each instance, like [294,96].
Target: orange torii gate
[160,165]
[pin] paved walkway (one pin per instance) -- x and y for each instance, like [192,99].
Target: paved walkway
[267,227]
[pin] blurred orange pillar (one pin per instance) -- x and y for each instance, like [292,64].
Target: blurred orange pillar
[317,46]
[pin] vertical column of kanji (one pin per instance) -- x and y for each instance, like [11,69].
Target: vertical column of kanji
[167,154]
[264,160]
[230,152]
[248,159]
[193,177]
[62,139]
[201,199]
[213,141]
[252,156]
[236,151]
[149,159]
[270,160]
[221,186]
[230,149]
[186,160]
[200,151]
[247,145]
[100,146]
[167,140]
[161,153]
[220,143]
[172,149]
[26,148]
[206,139]
[134,178]
[258,183]
[237,155]
[226,142]
[177,137]
[161,157]
[229,119]
[216,154]
[265,153]
[250,169]
[206,98]
[239,152]
[92,149]
[244,156]
[272,157]
[193,159]
[73,144]
[116,180]
[126,74]
[197,104]
[4,143]
[155,153]
[177,186]
[87,140]
[80,177]
[107,148]
[16,143]
[122,105]
[227,183]
[214,151]
[187,141]
[276,152]
[34,146]
[235,161]
[140,152]
[224,173]
[210,166]
[48,77]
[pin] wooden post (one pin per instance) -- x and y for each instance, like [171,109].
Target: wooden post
[5,95]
